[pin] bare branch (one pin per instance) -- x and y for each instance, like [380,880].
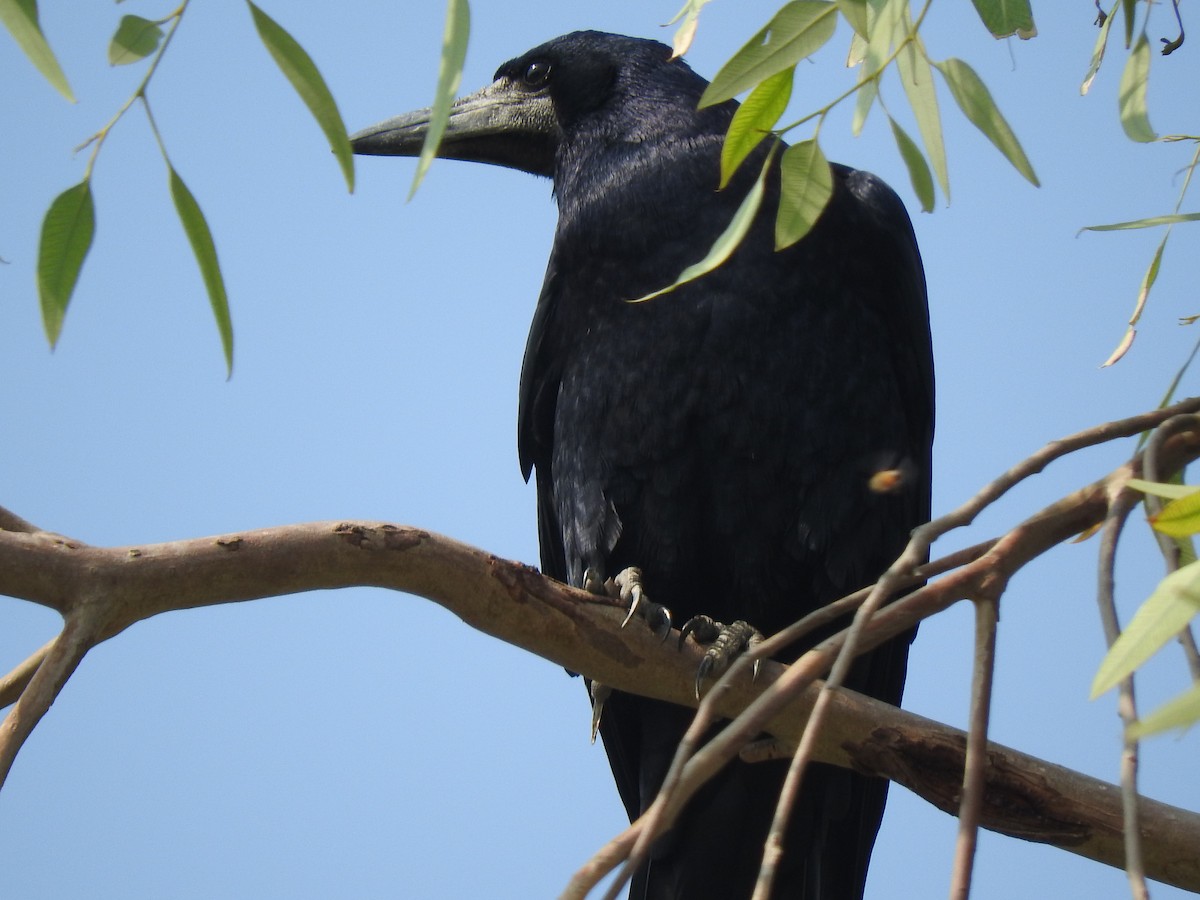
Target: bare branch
[1122,504]
[975,766]
[101,591]
[985,578]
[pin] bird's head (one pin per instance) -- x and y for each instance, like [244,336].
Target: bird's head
[585,84]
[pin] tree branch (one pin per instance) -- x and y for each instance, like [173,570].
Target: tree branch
[101,591]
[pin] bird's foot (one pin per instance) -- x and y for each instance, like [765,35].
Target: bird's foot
[627,587]
[725,644]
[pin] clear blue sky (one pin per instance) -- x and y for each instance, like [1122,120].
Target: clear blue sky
[369,744]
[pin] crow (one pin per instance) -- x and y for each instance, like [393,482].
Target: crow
[725,437]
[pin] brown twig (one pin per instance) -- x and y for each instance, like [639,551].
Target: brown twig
[101,591]
[1123,502]
[984,579]
[970,810]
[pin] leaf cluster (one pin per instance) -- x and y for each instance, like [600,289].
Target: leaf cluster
[885,36]
[70,222]
[1164,615]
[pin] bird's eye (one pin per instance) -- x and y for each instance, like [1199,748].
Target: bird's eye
[537,73]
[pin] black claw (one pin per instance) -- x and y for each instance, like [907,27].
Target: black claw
[705,628]
[592,582]
[664,623]
[725,644]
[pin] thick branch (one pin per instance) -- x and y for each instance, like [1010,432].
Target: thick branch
[102,591]
[1026,797]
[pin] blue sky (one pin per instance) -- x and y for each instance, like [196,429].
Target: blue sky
[368,744]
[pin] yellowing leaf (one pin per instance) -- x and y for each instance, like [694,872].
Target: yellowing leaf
[686,32]
[1180,517]
[1121,349]
[1098,50]
[1163,489]
[1164,614]
[1182,712]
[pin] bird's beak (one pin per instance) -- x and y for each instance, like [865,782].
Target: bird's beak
[503,124]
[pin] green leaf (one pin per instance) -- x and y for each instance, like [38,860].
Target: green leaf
[1164,614]
[20,17]
[918,170]
[797,31]
[1182,712]
[917,77]
[200,237]
[67,233]
[1169,396]
[300,70]
[1132,93]
[883,19]
[1173,219]
[454,53]
[754,119]
[136,38]
[974,99]
[1129,7]
[1162,489]
[855,12]
[730,238]
[1180,517]
[1098,51]
[805,186]
[1004,18]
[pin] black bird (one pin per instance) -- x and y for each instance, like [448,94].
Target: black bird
[722,437]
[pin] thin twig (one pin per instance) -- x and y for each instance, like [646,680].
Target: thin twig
[595,869]
[970,810]
[12,684]
[917,552]
[713,755]
[1120,507]
[82,632]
